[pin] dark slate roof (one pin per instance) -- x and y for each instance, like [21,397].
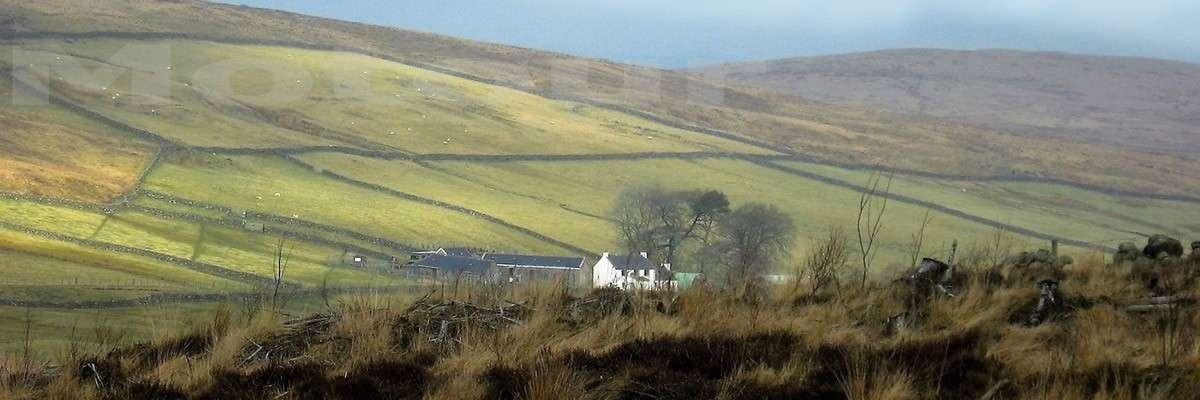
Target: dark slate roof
[459,252]
[524,261]
[454,265]
[629,262]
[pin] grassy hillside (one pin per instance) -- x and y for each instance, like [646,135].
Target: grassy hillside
[356,101]
[279,187]
[38,269]
[577,195]
[229,248]
[834,133]
[1068,212]
[49,151]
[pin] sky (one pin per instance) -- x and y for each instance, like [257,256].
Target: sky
[690,33]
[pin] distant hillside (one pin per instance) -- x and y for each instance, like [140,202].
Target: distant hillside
[847,136]
[1140,103]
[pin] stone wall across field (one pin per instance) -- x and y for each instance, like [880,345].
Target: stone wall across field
[205,268]
[448,206]
[181,298]
[782,150]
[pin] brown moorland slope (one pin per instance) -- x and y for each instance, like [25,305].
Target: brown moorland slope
[1135,102]
[836,134]
[47,151]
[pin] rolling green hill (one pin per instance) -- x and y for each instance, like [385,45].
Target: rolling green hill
[109,198]
[844,135]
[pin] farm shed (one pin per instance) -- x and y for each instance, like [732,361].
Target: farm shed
[531,267]
[450,267]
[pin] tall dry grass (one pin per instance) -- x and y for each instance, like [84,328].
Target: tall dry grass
[787,342]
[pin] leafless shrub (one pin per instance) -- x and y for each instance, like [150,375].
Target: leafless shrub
[917,242]
[279,272]
[872,206]
[826,259]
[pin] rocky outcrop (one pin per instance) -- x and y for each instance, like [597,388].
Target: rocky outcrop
[1041,257]
[1158,245]
[1159,248]
[1126,252]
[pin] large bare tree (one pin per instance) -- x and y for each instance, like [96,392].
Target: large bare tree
[635,216]
[753,237]
[658,221]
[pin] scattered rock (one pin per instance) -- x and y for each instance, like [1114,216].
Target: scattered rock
[1126,252]
[1043,257]
[1158,245]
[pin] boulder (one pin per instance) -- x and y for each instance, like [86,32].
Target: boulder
[1065,260]
[929,270]
[1158,245]
[1126,252]
[1040,257]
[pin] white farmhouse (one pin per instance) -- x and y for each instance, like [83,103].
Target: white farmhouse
[629,272]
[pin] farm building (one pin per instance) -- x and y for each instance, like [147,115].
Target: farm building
[630,272]
[526,267]
[458,268]
[444,251]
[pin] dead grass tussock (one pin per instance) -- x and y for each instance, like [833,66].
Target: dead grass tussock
[702,343]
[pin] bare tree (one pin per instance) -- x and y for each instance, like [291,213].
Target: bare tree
[280,271]
[752,237]
[704,209]
[826,260]
[872,206]
[651,219]
[634,215]
[917,243]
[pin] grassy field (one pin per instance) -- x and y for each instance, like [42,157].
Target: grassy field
[47,270]
[310,264]
[59,219]
[317,232]
[1053,209]
[553,215]
[576,193]
[52,332]
[279,187]
[353,100]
